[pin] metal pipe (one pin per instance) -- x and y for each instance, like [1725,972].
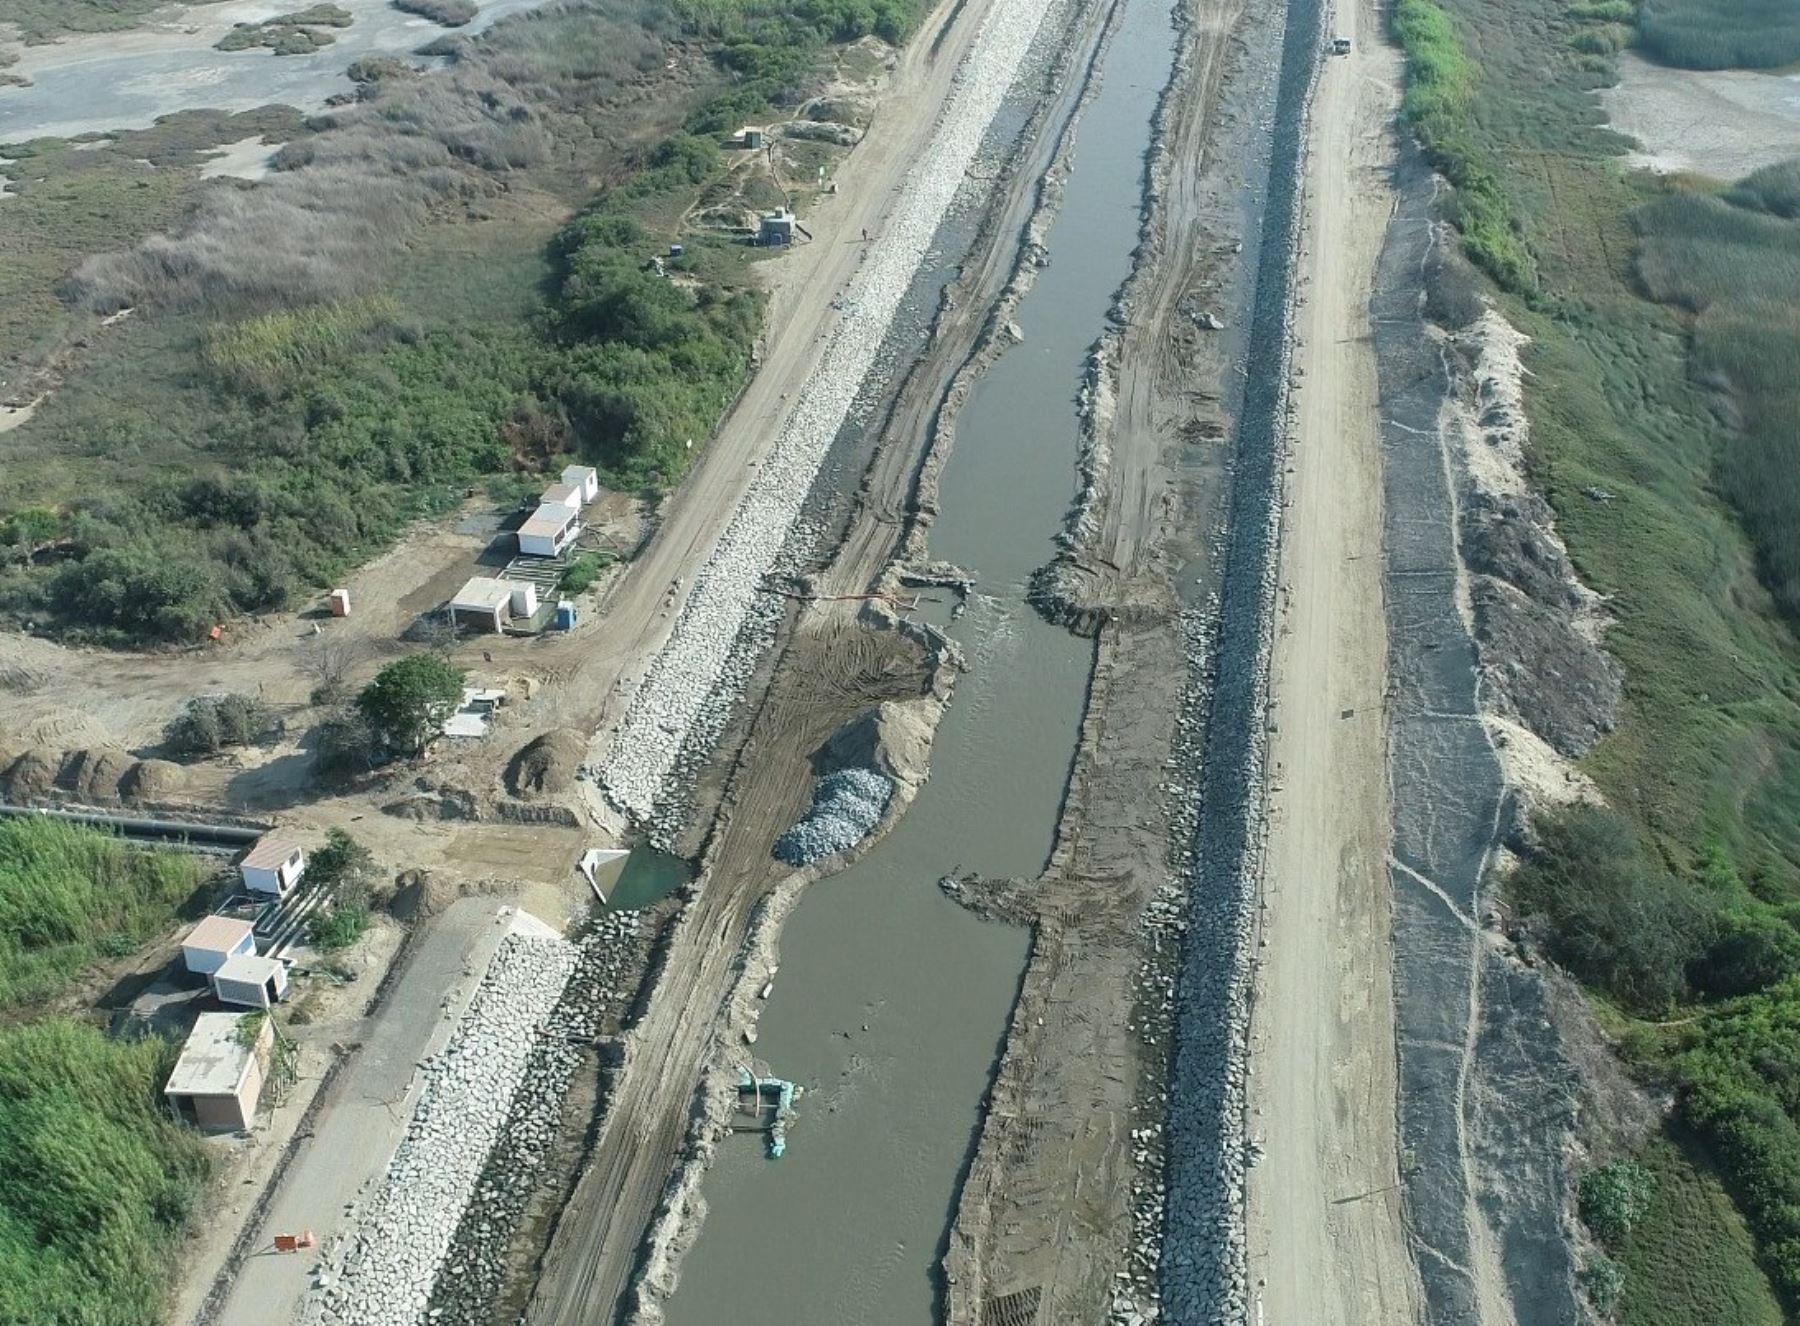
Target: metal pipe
[221,835]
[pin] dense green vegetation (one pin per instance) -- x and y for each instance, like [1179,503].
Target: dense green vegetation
[1721,34]
[347,868]
[1439,105]
[95,1179]
[70,895]
[1653,412]
[210,723]
[410,698]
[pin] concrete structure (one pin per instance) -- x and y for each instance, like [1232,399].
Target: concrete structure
[218,1079]
[483,603]
[339,599]
[562,494]
[748,137]
[215,941]
[549,529]
[584,479]
[250,981]
[274,865]
[777,228]
[524,600]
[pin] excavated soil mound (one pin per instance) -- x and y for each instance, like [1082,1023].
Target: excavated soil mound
[546,766]
[32,775]
[153,780]
[893,738]
[93,774]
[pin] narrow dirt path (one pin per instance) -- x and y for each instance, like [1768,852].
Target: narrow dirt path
[1327,1242]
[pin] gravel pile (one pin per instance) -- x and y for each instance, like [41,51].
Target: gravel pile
[686,675]
[846,806]
[388,1261]
[593,1004]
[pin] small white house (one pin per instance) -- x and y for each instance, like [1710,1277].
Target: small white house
[549,529]
[584,479]
[274,865]
[484,603]
[215,941]
[561,494]
[218,1079]
[251,982]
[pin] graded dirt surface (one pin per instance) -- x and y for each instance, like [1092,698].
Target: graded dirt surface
[1327,1244]
[1723,123]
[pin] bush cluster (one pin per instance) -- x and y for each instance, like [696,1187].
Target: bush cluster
[347,868]
[210,723]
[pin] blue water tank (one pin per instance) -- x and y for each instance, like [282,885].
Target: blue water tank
[565,615]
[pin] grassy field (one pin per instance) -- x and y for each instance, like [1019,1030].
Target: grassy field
[96,1181]
[1679,905]
[1721,34]
[1689,1261]
[70,896]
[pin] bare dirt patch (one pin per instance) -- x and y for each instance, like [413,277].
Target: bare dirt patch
[1724,123]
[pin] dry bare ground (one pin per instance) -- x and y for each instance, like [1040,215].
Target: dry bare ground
[1327,1242]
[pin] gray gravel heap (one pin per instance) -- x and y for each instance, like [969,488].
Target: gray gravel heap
[686,674]
[846,806]
[389,1258]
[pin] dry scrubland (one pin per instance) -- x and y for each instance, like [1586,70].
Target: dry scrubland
[265,417]
[1663,354]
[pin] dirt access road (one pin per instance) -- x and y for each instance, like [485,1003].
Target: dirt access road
[1327,1246]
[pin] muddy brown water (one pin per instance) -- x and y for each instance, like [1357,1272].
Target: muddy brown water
[892,1002]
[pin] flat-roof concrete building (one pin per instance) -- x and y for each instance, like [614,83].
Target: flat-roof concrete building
[219,1077]
[250,982]
[549,529]
[584,479]
[274,865]
[215,941]
[485,603]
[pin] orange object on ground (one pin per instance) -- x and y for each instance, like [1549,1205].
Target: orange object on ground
[295,1242]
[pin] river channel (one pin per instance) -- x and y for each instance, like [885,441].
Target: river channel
[892,1002]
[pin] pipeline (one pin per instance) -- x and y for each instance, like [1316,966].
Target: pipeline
[213,837]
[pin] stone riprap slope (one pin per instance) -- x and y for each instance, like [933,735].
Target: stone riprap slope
[382,1272]
[684,682]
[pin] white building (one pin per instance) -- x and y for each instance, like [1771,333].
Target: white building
[274,865]
[250,981]
[218,1079]
[483,603]
[549,529]
[215,941]
[584,479]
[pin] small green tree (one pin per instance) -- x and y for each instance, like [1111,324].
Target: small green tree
[347,868]
[213,722]
[410,698]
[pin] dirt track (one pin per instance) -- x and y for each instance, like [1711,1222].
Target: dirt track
[1327,1242]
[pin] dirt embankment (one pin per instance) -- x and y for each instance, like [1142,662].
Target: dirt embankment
[1486,1103]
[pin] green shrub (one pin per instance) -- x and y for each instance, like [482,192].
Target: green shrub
[1617,918]
[1604,1282]
[584,571]
[1614,1198]
[210,723]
